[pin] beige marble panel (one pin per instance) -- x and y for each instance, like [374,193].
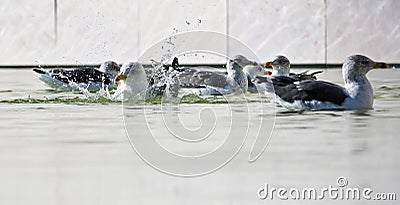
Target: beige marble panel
[294,28]
[94,31]
[26,28]
[161,19]
[363,26]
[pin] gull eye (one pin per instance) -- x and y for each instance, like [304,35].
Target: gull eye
[364,63]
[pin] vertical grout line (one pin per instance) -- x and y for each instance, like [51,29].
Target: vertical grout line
[326,32]
[227,28]
[138,29]
[55,25]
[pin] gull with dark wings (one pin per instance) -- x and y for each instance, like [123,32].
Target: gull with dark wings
[356,94]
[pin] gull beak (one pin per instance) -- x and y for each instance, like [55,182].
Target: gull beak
[119,77]
[380,65]
[268,64]
[267,72]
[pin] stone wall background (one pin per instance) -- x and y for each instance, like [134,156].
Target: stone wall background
[92,31]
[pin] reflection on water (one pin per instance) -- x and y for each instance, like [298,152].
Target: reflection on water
[79,153]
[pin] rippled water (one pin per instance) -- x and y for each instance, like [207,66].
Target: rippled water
[76,151]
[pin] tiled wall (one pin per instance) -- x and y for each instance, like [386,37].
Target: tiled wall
[364,26]
[92,31]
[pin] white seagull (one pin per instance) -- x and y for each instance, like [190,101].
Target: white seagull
[252,72]
[281,67]
[192,80]
[88,78]
[356,94]
[250,68]
[147,82]
[202,82]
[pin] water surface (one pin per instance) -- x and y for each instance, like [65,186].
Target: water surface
[77,152]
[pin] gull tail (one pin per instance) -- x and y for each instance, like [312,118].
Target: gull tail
[40,71]
[316,72]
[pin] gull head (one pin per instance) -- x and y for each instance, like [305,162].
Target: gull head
[131,68]
[110,68]
[242,61]
[280,66]
[357,66]
[255,70]
[134,80]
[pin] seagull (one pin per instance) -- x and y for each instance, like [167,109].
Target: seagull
[281,67]
[88,78]
[170,79]
[203,82]
[253,71]
[356,94]
[147,82]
